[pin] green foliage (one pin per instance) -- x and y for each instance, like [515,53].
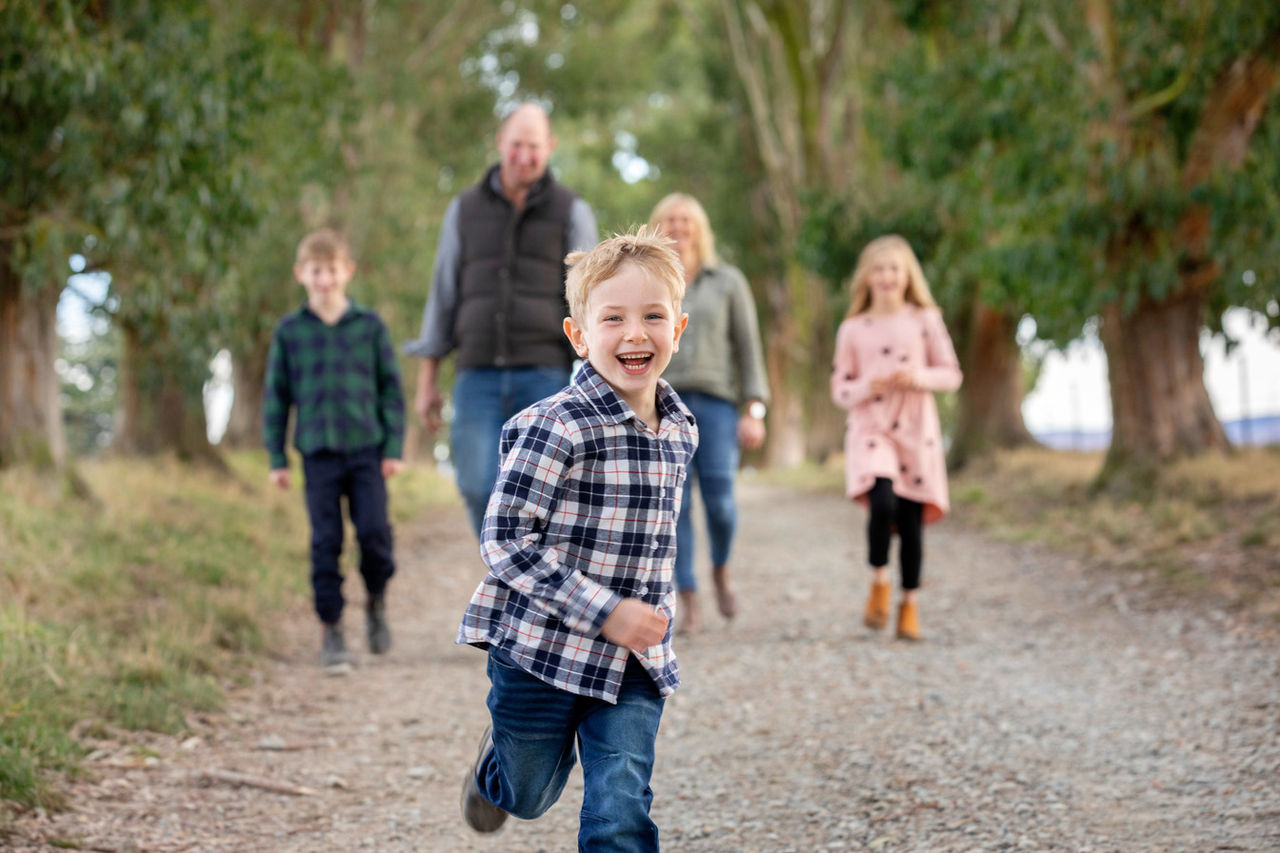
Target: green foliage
[988,112]
[154,139]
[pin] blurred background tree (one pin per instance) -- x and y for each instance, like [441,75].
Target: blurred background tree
[1053,169]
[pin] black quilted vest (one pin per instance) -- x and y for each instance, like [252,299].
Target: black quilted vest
[511,304]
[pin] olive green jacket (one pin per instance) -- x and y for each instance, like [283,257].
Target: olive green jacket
[720,352]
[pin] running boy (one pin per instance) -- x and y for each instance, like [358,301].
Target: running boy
[579,536]
[332,360]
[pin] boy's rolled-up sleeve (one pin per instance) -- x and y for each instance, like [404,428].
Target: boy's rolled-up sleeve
[538,455]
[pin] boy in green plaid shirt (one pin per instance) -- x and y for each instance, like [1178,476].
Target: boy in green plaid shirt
[333,362]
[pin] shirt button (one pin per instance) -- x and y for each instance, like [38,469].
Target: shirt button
[656,546]
[644,590]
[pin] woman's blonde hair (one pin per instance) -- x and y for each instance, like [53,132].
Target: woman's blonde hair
[917,285]
[649,250]
[705,245]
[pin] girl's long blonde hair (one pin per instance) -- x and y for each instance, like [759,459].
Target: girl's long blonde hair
[917,285]
[705,245]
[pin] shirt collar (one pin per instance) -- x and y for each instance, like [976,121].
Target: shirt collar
[352,310]
[494,181]
[605,400]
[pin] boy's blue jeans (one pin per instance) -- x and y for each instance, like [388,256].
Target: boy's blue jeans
[715,464]
[483,399]
[357,475]
[535,727]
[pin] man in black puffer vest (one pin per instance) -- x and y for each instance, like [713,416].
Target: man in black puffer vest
[497,299]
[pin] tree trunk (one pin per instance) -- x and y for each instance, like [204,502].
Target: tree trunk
[802,422]
[792,61]
[785,445]
[1159,403]
[990,416]
[244,425]
[30,408]
[160,409]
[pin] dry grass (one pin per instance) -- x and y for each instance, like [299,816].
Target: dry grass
[1211,530]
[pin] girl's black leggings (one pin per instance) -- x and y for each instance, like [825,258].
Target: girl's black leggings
[887,509]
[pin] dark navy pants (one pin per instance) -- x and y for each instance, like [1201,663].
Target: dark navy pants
[357,476]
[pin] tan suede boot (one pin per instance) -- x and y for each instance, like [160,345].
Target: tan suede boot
[688,613]
[877,615]
[908,622]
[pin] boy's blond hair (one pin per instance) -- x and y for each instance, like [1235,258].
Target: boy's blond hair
[651,251]
[917,285]
[323,245]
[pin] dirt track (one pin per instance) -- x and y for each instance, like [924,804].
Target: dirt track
[1049,709]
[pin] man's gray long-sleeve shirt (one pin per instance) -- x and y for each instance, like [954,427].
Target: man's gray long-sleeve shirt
[436,338]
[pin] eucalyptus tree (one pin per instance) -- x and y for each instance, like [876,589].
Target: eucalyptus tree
[49,69]
[228,112]
[798,64]
[1110,162]
[1148,183]
[1177,214]
[136,143]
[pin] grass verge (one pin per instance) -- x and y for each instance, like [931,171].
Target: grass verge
[1210,531]
[139,607]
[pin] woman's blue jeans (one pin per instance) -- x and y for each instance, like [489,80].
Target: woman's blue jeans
[483,399]
[715,464]
[535,727]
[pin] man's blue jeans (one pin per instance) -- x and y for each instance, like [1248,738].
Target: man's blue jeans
[715,464]
[483,399]
[535,727]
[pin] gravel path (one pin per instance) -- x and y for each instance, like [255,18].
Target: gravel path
[1049,710]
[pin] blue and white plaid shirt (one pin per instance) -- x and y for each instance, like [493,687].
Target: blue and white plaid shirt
[583,515]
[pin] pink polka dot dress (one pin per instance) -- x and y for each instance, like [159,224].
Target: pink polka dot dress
[895,434]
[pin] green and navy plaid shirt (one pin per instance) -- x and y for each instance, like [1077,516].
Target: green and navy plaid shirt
[343,379]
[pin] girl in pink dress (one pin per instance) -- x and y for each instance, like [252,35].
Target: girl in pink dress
[892,353]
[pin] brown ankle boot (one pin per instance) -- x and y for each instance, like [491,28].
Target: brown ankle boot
[908,622]
[877,615]
[726,601]
[688,613]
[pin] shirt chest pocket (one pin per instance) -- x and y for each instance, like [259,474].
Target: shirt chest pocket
[623,502]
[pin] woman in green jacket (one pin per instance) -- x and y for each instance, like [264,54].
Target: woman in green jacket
[719,373]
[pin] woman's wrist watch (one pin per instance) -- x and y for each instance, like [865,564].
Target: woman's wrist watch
[757,410]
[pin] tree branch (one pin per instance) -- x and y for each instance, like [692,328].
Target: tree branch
[770,147]
[234,778]
[1156,100]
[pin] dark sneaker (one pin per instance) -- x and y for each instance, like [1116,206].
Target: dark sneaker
[375,624]
[480,814]
[333,649]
